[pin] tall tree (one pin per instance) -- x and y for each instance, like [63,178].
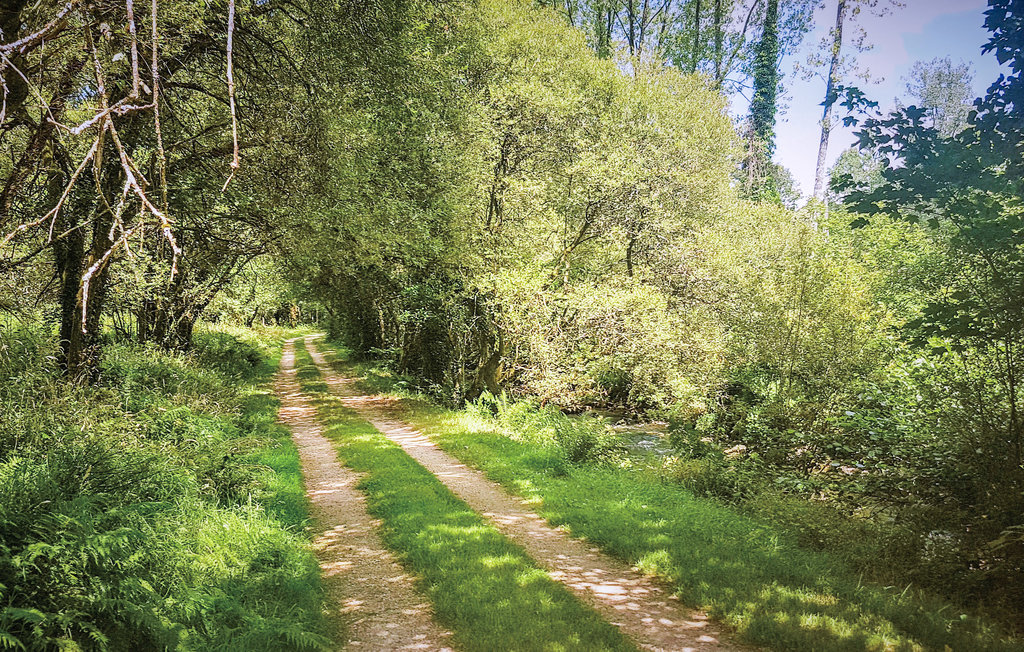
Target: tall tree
[763,106]
[697,36]
[830,97]
[839,68]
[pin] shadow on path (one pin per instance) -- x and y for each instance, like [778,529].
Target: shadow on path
[365,585]
[641,607]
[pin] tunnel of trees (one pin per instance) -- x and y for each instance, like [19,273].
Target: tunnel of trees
[549,202]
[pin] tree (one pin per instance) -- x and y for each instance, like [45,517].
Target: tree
[944,89]
[855,167]
[763,105]
[966,190]
[712,37]
[838,68]
[127,152]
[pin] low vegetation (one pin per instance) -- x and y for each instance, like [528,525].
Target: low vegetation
[754,564]
[160,508]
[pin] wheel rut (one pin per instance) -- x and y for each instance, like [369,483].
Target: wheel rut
[366,586]
[643,608]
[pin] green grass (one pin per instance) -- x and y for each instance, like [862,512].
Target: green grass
[160,509]
[483,587]
[746,573]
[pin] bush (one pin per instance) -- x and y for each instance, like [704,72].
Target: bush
[230,354]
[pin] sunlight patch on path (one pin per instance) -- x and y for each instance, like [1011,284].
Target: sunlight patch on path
[365,585]
[641,607]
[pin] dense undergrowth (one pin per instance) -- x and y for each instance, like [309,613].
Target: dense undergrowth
[486,589]
[786,572]
[160,509]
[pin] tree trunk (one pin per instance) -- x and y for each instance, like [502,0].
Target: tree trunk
[719,39]
[80,311]
[69,257]
[763,105]
[145,318]
[40,138]
[603,21]
[695,55]
[487,373]
[830,99]
[631,34]
[629,255]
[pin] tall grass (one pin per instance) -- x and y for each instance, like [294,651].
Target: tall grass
[159,509]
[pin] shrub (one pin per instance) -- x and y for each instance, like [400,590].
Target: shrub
[578,439]
[230,354]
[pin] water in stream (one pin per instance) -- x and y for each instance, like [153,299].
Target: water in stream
[640,439]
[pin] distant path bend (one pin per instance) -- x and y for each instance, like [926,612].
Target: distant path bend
[365,585]
[639,605]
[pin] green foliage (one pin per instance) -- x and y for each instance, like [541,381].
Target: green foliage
[130,512]
[962,189]
[577,439]
[470,194]
[533,184]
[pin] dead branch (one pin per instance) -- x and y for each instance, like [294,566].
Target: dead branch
[130,6]
[23,45]
[60,202]
[37,142]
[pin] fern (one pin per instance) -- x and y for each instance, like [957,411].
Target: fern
[125,520]
[9,642]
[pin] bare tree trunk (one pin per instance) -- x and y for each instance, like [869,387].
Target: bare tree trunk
[609,23]
[603,17]
[830,86]
[645,15]
[631,13]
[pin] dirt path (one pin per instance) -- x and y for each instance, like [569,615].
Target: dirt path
[364,582]
[641,607]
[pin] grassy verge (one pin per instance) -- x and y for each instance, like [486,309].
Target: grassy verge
[159,509]
[746,572]
[483,587]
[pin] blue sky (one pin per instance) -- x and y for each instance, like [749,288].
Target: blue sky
[920,30]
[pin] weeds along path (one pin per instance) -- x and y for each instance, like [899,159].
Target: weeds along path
[642,608]
[365,585]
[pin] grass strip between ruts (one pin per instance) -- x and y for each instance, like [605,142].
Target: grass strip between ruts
[744,572]
[483,587]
